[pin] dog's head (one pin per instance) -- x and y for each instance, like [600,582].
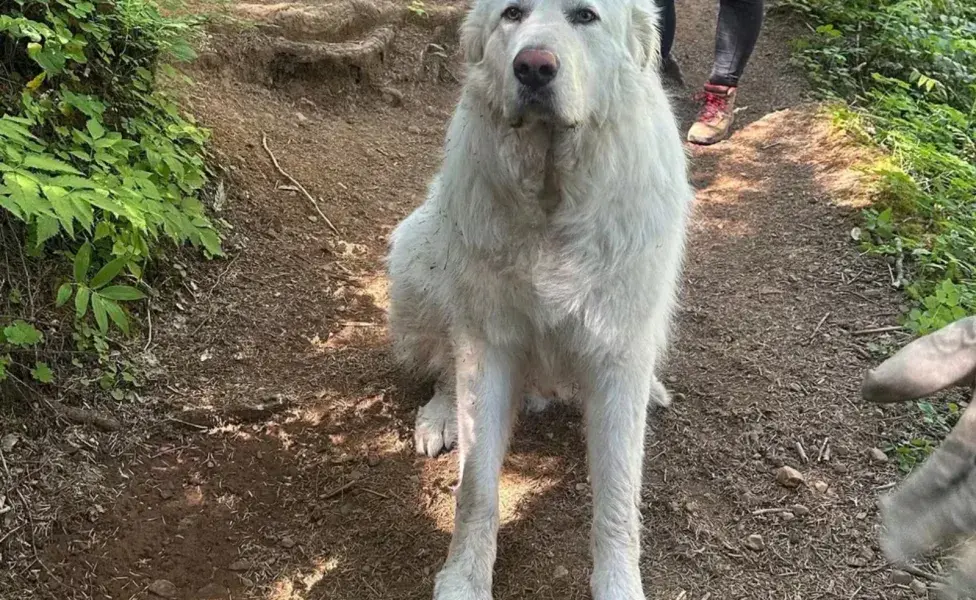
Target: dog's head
[557,61]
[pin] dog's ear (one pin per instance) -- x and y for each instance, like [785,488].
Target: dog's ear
[645,35]
[473,37]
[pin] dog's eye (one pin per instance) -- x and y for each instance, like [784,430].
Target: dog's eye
[584,16]
[512,13]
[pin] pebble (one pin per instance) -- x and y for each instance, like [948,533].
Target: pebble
[373,460]
[821,486]
[240,565]
[789,477]
[799,510]
[919,588]
[163,588]
[287,543]
[413,129]
[877,455]
[901,578]
[787,515]
[755,542]
[9,441]
[559,572]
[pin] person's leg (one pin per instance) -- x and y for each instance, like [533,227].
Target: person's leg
[739,23]
[669,66]
[668,24]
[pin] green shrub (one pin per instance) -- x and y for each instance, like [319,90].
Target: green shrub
[907,68]
[96,162]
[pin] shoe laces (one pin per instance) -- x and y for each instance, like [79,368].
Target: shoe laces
[714,105]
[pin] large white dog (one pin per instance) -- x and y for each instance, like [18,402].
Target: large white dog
[548,251]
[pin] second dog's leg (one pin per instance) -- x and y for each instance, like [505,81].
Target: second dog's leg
[487,384]
[616,405]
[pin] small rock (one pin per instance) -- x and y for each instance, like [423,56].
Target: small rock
[373,460]
[392,95]
[287,543]
[212,591]
[787,515]
[799,510]
[691,507]
[165,494]
[163,588]
[345,509]
[877,455]
[301,118]
[413,129]
[240,565]
[755,542]
[901,578]
[821,486]
[789,477]
[919,588]
[559,572]
[9,441]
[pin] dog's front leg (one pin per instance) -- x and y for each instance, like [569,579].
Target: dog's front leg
[616,405]
[486,396]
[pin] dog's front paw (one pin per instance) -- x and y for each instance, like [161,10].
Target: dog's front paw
[436,426]
[452,585]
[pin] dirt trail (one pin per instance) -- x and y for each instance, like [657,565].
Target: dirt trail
[317,493]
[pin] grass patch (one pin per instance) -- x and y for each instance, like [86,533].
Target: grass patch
[906,70]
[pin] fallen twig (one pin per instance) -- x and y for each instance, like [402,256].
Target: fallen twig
[189,424]
[823,449]
[766,511]
[801,451]
[817,329]
[338,490]
[375,493]
[149,336]
[264,142]
[83,416]
[877,330]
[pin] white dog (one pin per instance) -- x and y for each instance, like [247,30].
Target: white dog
[548,250]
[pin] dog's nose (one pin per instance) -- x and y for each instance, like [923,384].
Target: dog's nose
[535,68]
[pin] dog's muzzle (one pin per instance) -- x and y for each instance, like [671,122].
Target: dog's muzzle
[535,70]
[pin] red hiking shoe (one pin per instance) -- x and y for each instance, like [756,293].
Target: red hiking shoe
[716,115]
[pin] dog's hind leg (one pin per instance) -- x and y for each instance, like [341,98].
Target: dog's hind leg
[436,426]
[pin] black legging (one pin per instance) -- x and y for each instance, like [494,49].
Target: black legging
[739,22]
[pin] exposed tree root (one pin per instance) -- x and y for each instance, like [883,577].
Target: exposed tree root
[340,21]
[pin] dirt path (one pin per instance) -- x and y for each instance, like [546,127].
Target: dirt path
[317,493]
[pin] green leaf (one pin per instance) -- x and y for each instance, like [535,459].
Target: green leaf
[95,128]
[108,272]
[47,163]
[4,361]
[83,262]
[42,373]
[64,293]
[46,228]
[81,301]
[117,315]
[21,333]
[101,313]
[121,292]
